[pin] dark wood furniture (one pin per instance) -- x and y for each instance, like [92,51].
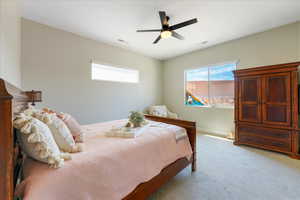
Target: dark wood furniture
[266,108]
[14,100]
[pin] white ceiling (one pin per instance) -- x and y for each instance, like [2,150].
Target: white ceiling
[110,20]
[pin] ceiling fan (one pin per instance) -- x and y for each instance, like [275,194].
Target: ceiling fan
[167,30]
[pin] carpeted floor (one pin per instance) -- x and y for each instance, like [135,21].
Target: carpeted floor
[228,172]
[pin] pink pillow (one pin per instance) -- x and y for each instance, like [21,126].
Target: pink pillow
[71,123]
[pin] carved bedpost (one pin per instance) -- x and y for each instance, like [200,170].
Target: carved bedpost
[12,101]
[6,144]
[192,136]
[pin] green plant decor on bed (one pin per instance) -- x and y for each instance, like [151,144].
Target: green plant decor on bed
[136,118]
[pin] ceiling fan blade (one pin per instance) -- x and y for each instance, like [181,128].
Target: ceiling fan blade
[151,30]
[157,39]
[163,18]
[186,23]
[178,36]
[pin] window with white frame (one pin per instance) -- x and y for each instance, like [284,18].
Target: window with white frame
[210,86]
[117,74]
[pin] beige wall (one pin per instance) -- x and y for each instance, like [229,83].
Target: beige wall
[279,45]
[58,63]
[10,41]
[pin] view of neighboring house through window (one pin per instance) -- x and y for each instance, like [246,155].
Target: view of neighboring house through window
[117,74]
[210,86]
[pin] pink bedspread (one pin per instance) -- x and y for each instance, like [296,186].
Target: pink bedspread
[108,168]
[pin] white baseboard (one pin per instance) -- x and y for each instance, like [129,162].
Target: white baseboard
[213,132]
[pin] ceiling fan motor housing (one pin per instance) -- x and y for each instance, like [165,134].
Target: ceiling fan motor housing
[165,27]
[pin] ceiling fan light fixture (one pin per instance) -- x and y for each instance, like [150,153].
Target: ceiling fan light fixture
[166,30]
[166,34]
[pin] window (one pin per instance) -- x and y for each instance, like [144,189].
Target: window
[210,86]
[108,73]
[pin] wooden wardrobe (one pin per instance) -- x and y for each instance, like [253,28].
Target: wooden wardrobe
[266,108]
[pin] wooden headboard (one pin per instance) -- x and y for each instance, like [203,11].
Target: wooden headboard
[12,102]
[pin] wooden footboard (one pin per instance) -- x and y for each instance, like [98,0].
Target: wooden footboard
[144,190]
[190,129]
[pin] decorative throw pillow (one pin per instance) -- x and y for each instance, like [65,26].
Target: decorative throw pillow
[37,141]
[160,111]
[71,123]
[31,110]
[60,132]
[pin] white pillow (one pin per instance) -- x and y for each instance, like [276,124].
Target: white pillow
[160,111]
[60,132]
[37,141]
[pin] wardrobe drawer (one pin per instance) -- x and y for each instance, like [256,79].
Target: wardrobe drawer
[276,145]
[267,138]
[276,134]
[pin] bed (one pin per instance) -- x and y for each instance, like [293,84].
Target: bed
[14,100]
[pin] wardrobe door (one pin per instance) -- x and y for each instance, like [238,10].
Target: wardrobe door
[276,103]
[249,99]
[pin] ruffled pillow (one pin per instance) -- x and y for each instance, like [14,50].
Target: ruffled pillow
[160,111]
[60,132]
[37,141]
[73,125]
